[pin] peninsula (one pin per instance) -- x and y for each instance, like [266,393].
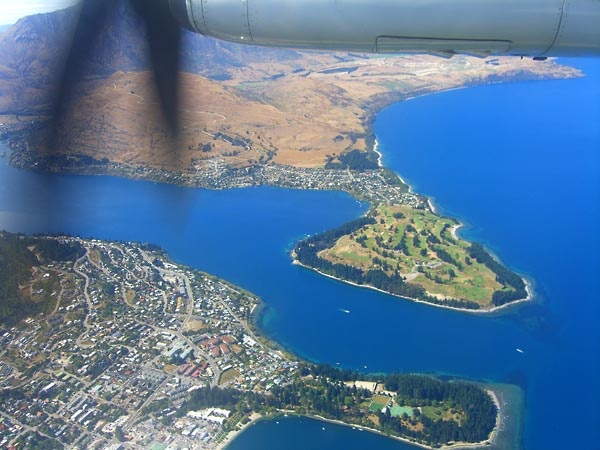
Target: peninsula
[289,119]
[413,253]
[111,343]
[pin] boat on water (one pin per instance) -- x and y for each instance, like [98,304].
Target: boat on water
[520,351]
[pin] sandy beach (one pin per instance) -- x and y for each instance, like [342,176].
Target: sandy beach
[495,309]
[379,154]
[254,417]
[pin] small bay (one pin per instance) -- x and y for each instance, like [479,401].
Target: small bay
[518,163]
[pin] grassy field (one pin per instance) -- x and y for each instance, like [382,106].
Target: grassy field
[195,326]
[398,411]
[423,248]
[376,407]
[130,297]
[378,403]
[228,375]
[443,413]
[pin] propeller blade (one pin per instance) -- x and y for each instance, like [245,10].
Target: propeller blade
[93,15]
[163,36]
[164,39]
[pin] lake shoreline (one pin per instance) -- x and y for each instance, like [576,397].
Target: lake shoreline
[493,437]
[489,311]
[172,179]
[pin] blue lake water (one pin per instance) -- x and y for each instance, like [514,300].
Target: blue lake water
[519,163]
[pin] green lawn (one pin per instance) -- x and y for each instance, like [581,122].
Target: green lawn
[228,376]
[452,279]
[376,407]
[398,411]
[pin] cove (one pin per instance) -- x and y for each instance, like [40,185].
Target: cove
[245,236]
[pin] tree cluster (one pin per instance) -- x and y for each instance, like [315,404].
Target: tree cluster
[325,394]
[419,390]
[16,263]
[354,160]
[503,276]
[445,256]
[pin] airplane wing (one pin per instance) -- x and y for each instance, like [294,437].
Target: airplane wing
[535,28]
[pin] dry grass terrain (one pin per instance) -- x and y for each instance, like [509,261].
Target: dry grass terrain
[300,112]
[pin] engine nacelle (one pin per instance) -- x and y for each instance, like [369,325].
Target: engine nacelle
[535,28]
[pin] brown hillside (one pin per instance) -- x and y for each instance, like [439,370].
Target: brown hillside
[298,119]
[120,120]
[271,105]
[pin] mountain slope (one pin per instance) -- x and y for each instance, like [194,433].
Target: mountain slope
[241,105]
[33,52]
